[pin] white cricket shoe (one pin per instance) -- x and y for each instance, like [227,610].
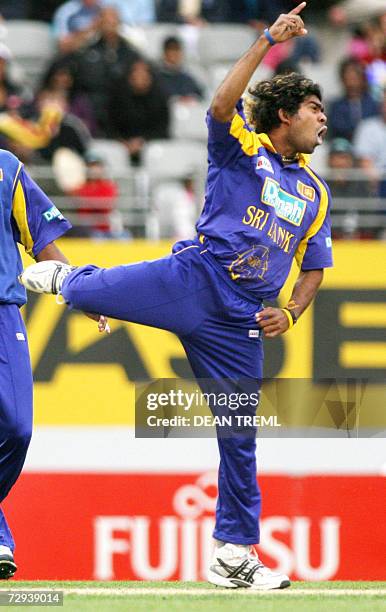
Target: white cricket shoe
[45,276]
[235,566]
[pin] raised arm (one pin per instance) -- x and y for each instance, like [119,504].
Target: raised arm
[232,88]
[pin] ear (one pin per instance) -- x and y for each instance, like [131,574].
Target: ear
[284,116]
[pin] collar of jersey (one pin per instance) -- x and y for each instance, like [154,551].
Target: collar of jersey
[265,141]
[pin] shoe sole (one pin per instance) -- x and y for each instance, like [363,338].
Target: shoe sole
[7,569]
[231,583]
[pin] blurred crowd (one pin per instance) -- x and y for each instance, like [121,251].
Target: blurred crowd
[101,84]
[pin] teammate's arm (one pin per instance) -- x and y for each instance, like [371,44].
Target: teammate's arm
[274,321]
[51,251]
[232,88]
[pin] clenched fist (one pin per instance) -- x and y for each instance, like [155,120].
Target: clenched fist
[272,321]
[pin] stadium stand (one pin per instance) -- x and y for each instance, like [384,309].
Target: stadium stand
[31,44]
[208,54]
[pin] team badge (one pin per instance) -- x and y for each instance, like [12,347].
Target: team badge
[251,264]
[306,191]
[263,163]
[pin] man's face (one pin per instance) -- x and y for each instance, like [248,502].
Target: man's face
[173,55]
[340,161]
[308,126]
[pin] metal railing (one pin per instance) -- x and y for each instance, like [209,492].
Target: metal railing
[135,210]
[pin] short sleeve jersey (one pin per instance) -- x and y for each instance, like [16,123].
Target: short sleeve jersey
[260,213]
[27,217]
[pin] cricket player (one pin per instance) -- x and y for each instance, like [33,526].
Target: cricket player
[264,206]
[29,218]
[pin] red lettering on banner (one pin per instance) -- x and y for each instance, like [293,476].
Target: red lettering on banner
[158,527]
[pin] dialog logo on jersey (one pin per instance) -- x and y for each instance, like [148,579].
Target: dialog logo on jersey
[288,207]
[52,213]
[263,163]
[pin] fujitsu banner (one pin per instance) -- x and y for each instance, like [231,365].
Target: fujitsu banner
[158,526]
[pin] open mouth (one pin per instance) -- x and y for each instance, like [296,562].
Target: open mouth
[321,134]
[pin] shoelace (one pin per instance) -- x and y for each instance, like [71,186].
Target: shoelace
[246,570]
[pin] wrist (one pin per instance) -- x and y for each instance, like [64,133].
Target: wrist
[291,317]
[268,36]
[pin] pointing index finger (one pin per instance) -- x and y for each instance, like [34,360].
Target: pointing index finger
[298,9]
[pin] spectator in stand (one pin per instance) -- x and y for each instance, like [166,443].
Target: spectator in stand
[261,13]
[75,23]
[43,11]
[96,199]
[195,12]
[286,67]
[133,12]
[370,149]
[24,132]
[100,64]
[355,11]
[70,132]
[60,81]
[356,103]
[8,87]
[370,48]
[344,182]
[175,80]
[138,109]
[9,9]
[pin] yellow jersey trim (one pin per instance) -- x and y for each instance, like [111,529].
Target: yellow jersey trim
[19,211]
[318,221]
[251,142]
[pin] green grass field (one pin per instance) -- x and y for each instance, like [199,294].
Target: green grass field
[200,596]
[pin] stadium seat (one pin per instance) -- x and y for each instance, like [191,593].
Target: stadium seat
[31,44]
[149,39]
[223,43]
[319,159]
[218,72]
[325,75]
[114,154]
[188,121]
[173,159]
[175,213]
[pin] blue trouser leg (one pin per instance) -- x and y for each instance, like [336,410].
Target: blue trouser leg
[165,293]
[183,295]
[226,352]
[15,405]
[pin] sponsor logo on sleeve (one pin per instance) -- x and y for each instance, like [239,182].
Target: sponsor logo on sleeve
[52,213]
[263,163]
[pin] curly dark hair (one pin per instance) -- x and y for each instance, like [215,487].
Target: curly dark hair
[266,98]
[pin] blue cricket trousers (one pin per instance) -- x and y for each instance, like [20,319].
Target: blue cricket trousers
[15,405]
[189,294]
